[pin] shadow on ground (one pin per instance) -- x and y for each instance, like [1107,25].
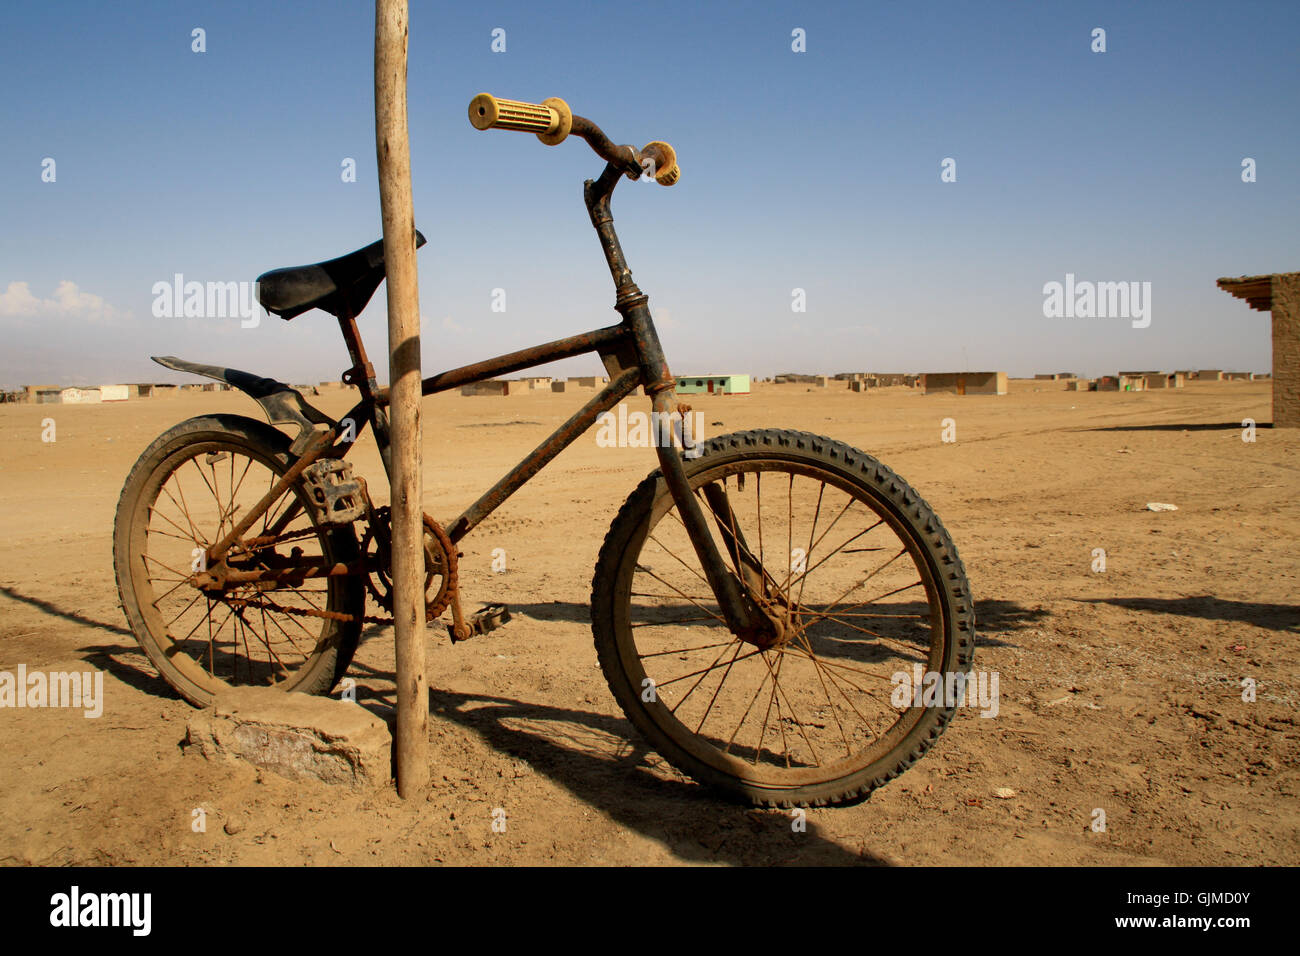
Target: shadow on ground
[591,756]
[126,662]
[1193,427]
[1274,617]
[55,611]
[992,615]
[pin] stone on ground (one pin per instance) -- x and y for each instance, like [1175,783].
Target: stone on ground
[298,736]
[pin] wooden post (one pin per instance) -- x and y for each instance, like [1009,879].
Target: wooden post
[393,149]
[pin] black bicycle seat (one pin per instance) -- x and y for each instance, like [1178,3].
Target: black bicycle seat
[342,285]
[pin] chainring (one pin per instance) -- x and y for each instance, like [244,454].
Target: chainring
[439,562]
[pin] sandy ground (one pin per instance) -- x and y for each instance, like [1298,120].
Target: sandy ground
[1119,690]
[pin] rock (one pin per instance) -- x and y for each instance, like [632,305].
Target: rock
[1004,793]
[1159,506]
[295,735]
[233,827]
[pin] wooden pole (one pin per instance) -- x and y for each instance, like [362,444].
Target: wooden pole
[393,149]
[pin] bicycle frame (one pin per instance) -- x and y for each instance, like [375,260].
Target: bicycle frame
[632,355]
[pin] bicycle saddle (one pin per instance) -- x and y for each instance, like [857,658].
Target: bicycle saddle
[337,285]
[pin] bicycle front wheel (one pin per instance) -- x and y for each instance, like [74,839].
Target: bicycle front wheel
[869,588]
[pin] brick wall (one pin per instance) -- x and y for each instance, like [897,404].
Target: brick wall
[1286,350]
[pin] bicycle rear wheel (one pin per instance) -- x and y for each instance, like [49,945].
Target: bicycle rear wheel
[857,566]
[188,489]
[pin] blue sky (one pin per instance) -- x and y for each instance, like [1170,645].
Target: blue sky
[817,170]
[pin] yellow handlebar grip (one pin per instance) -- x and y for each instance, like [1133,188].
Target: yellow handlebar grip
[667,171]
[551,119]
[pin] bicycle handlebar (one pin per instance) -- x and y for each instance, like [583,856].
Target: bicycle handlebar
[553,121]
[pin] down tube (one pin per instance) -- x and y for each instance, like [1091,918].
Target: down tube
[560,439]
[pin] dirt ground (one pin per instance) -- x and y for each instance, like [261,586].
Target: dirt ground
[1118,690]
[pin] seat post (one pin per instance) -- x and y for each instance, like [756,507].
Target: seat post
[362,375]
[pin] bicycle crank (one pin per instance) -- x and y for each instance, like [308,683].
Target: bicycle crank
[440,557]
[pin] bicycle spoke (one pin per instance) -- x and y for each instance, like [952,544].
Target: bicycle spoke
[704,673]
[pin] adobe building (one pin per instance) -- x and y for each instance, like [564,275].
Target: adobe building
[1210,375]
[965,383]
[31,393]
[1236,376]
[1278,294]
[493,386]
[1106,383]
[1160,380]
[1132,381]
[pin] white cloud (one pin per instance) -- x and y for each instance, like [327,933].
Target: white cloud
[68,302]
[450,325]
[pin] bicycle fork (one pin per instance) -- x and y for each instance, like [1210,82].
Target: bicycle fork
[744,617]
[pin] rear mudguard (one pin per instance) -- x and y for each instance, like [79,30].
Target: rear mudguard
[283,404]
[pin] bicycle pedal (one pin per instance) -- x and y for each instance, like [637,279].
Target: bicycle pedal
[339,497]
[485,619]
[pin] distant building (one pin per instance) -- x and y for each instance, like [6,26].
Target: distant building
[69,396]
[965,383]
[494,386]
[714,384]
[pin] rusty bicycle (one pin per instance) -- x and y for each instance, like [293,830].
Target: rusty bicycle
[753,604]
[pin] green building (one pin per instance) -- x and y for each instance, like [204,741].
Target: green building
[713,384]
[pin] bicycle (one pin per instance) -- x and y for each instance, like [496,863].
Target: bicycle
[245,556]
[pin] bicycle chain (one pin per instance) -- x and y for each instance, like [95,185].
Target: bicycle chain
[432,611]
